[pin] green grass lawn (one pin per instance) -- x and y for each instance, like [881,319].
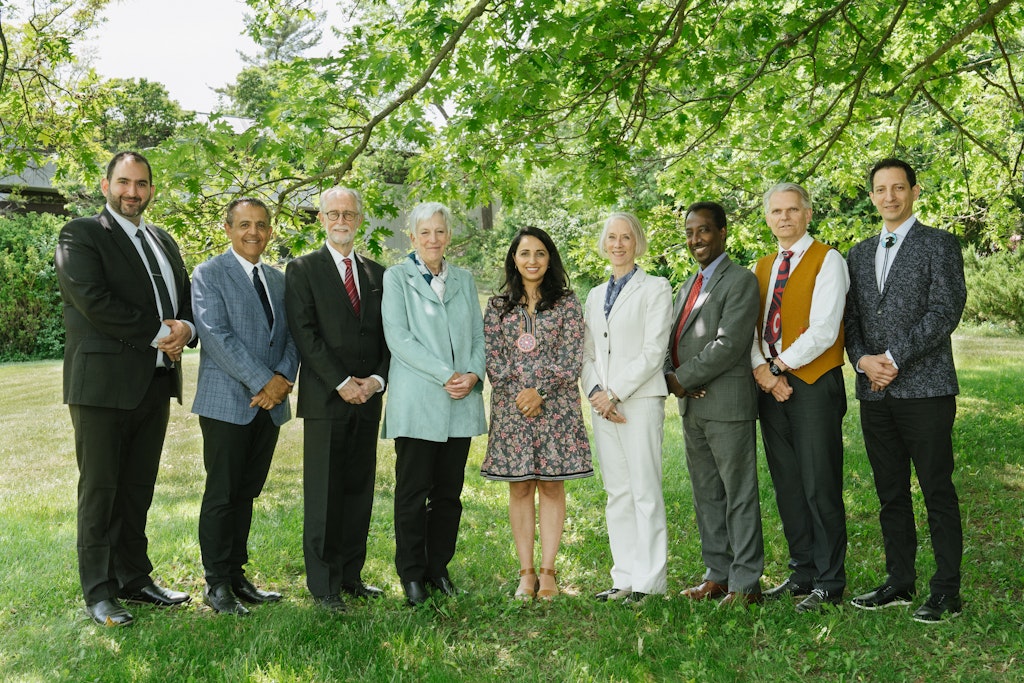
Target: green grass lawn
[45,635]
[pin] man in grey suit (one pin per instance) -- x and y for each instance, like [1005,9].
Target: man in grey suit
[334,299]
[907,293]
[708,369]
[247,368]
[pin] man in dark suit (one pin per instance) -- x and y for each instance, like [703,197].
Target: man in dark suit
[708,368]
[333,301]
[247,368]
[797,360]
[907,294]
[127,313]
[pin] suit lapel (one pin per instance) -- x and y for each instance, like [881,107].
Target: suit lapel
[708,288]
[904,257]
[334,279]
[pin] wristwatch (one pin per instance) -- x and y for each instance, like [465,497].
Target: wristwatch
[611,397]
[773,368]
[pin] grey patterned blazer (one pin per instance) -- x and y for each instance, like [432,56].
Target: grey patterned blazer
[913,317]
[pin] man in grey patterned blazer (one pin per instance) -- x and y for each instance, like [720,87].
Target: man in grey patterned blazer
[246,371]
[907,293]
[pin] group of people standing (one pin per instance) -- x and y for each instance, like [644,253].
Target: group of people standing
[416,330]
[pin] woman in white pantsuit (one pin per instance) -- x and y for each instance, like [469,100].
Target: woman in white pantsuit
[627,329]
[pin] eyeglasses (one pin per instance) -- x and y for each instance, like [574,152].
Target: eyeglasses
[348,216]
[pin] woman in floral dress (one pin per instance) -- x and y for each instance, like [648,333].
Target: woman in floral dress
[533,335]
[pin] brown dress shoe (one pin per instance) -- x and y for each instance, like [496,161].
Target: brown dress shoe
[744,599]
[706,591]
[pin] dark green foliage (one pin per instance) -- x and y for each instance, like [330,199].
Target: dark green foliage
[31,326]
[995,288]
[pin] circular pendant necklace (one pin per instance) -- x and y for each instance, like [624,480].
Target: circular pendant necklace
[526,342]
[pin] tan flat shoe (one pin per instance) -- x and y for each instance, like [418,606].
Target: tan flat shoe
[527,593]
[547,594]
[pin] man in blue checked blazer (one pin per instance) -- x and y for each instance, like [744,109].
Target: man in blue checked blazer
[906,295]
[247,368]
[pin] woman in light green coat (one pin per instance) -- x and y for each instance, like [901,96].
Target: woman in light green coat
[434,329]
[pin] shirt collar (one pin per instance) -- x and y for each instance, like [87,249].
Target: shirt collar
[130,228]
[710,270]
[900,232]
[246,265]
[339,257]
[800,246]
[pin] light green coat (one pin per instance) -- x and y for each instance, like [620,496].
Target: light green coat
[430,342]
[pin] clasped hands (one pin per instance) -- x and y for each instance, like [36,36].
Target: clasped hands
[776,385]
[676,388]
[606,408]
[273,393]
[529,402]
[359,390]
[460,384]
[879,370]
[175,342]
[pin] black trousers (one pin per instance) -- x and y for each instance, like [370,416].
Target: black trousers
[803,443]
[339,470]
[898,432]
[237,460]
[118,453]
[428,484]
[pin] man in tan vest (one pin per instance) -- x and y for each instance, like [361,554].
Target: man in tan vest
[797,359]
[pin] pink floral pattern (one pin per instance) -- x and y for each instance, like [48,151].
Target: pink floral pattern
[552,446]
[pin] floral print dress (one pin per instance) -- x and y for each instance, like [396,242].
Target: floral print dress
[552,446]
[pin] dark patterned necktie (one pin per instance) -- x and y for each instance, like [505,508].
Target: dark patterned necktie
[773,321]
[261,292]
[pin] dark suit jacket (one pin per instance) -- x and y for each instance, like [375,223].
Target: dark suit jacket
[714,349]
[240,352]
[110,312]
[913,317]
[334,343]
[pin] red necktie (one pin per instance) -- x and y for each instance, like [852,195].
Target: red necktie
[773,321]
[350,285]
[687,307]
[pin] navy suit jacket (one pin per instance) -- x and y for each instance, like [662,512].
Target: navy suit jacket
[913,317]
[239,352]
[110,312]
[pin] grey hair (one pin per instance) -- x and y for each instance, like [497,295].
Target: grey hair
[426,211]
[805,197]
[338,189]
[635,227]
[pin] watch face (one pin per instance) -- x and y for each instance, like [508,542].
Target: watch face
[774,368]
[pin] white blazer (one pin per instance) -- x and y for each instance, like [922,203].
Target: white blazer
[626,352]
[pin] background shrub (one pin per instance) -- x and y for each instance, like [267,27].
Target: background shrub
[995,288]
[31,323]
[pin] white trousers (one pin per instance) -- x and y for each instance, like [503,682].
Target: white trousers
[630,458]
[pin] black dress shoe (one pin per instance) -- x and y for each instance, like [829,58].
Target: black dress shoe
[786,589]
[635,598]
[109,613]
[246,592]
[885,595]
[939,607]
[156,595]
[331,603]
[444,585]
[361,590]
[223,601]
[818,599]
[415,593]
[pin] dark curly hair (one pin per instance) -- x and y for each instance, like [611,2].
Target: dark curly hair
[553,287]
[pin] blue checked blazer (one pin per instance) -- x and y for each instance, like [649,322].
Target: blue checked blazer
[239,353]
